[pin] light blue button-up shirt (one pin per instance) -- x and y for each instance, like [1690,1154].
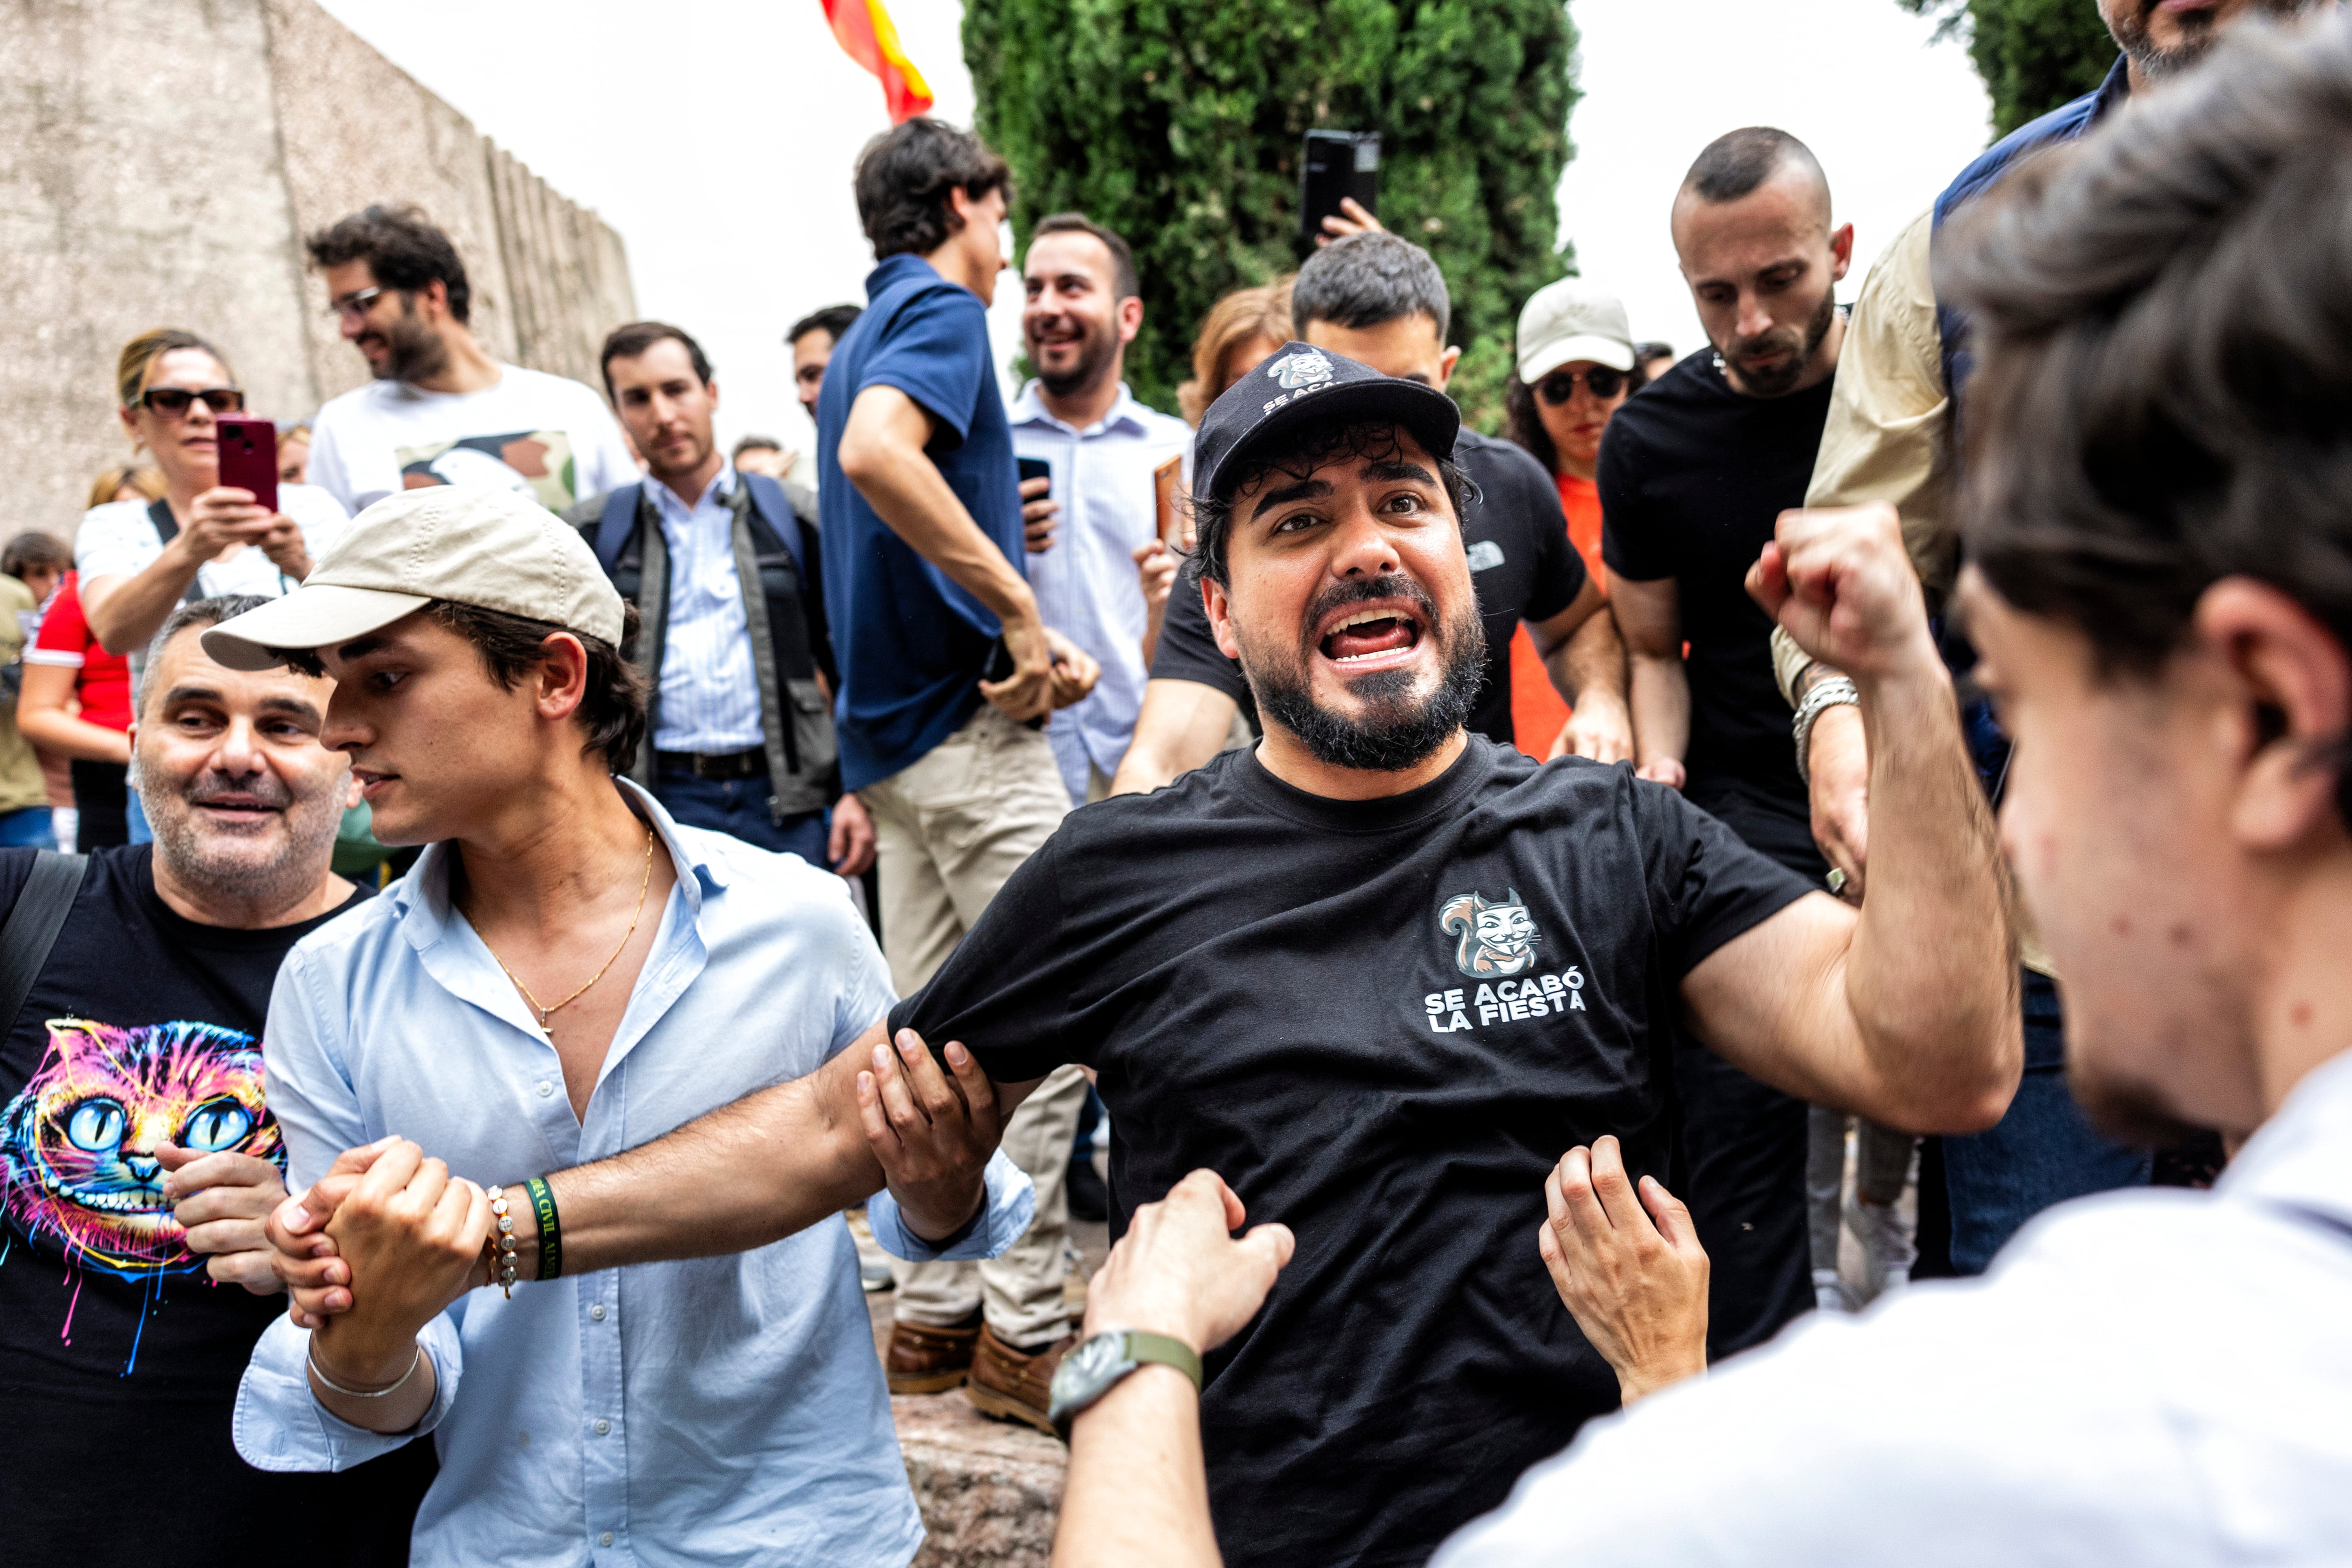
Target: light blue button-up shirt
[713,1410]
[709,686]
[1086,584]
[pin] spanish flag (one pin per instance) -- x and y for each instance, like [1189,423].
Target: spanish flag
[863,29]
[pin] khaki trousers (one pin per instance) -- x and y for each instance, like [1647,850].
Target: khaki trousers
[949,830]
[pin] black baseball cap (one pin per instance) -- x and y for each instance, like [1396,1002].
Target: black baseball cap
[1297,384]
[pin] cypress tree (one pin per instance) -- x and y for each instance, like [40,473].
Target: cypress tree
[1179,123]
[2033,55]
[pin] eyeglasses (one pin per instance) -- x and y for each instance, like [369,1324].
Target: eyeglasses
[1600,381]
[174,402]
[354,305]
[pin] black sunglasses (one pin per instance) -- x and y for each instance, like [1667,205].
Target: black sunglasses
[1600,381]
[171,402]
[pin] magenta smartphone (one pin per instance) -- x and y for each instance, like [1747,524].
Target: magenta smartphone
[249,457]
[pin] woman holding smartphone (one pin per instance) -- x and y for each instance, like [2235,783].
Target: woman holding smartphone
[137,560]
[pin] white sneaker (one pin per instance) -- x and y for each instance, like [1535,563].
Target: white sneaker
[1829,1292]
[1887,1248]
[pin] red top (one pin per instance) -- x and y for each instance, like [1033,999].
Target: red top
[102,681]
[1537,712]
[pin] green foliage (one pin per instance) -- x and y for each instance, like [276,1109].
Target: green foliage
[1178,122]
[2033,55]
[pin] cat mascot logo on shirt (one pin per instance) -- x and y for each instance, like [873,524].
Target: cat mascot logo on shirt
[77,1145]
[1496,938]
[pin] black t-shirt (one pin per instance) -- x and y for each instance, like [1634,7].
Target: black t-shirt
[120,1367]
[1521,564]
[1382,1022]
[1693,476]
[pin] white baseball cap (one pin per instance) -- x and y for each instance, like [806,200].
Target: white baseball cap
[469,545]
[1569,320]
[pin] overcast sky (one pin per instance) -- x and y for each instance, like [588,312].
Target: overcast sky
[718,137]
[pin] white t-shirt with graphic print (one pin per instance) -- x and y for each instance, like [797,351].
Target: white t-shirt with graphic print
[545,435]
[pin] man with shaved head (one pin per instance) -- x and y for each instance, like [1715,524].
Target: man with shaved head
[1692,474]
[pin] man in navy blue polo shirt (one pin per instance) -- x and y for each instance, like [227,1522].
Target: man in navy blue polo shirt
[947,677]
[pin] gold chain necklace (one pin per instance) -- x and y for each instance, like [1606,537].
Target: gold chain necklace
[546,1013]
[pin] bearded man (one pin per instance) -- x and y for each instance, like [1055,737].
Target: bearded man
[1257,962]
[1692,474]
[137,1139]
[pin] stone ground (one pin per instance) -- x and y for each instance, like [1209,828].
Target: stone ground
[990,1490]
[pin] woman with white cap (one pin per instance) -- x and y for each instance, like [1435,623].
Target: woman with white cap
[1576,368]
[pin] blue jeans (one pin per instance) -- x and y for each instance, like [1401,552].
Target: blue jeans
[2042,1152]
[28,827]
[740,806]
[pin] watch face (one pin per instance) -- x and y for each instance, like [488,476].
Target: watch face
[1088,1370]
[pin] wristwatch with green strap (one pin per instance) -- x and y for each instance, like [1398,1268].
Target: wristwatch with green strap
[1094,1367]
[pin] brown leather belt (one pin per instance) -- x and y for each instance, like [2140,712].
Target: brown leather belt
[715,764]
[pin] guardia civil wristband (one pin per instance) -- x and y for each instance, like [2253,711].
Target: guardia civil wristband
[550,1235]
[1094,1367]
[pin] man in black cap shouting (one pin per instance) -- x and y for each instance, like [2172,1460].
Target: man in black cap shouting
[1380,973]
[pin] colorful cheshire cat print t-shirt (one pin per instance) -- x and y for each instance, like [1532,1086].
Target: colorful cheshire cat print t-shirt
[119,1359]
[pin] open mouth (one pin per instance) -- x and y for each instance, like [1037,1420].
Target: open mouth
[1372,635]
[370,783]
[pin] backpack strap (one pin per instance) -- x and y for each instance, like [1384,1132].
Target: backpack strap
[26,942]
[620,521]
[775,509]
[167,528]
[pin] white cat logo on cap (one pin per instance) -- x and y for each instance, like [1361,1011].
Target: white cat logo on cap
[1293,371]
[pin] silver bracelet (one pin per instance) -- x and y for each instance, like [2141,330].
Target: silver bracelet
[1830,692]
[311,1356]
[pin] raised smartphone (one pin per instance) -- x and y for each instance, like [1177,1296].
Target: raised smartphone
[1333,165]
[1035,468]
[249,457]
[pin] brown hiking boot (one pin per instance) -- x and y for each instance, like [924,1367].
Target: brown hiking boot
[1014,1385]
[925,1360]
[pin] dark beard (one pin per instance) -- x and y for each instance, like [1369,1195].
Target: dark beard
[1095,352]
[1781,382]
[417,351]
[1394,735]
[2199,35]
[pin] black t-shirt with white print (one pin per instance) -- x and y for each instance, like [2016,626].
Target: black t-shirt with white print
[1382,1022]
[1522,567]
[119,1366]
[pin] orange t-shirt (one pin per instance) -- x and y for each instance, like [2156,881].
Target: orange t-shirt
[1537,712]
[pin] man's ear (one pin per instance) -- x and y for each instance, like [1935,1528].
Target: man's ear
[1217,599]
[561,682]
[1842,251]
[1445,364]
[1131,318]
[2292,695]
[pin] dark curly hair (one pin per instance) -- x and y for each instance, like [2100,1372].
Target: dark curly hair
[402,246]
[904,176]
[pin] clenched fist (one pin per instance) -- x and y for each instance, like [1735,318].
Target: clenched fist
[1838,581]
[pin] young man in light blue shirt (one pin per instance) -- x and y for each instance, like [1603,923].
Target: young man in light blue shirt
[1101,448]
[567,974]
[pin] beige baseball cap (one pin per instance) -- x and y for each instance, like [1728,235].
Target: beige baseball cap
[1569,320]
[491,548]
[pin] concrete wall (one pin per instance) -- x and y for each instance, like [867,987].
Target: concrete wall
[159,165]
